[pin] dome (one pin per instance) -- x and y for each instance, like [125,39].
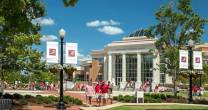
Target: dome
[138,33]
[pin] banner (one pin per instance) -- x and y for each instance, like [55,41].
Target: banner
[71,53]
[52,52]
[197,60]
[183,63]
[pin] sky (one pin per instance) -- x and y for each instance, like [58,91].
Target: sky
[95,23]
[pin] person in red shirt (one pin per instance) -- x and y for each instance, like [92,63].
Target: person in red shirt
[98,92]
[104,88]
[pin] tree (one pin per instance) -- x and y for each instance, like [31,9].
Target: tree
[69,70]
[70,2]
[55,68]
[177,23]
[18,34]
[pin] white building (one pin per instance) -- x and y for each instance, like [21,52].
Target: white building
[135,58]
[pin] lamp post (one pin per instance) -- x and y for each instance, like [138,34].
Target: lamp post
[190,45]
[61,105]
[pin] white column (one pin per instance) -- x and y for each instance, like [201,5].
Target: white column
[123,67]
[105,72]
[109,67]
[139,69]
[113,70]
[156,71]
[123,83]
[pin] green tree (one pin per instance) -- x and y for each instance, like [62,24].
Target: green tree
[69,70]
[18,34]
[70,2]
[177,23]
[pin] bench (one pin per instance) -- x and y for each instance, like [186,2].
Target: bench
[5,104]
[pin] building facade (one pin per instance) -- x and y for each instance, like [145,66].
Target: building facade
[135,58]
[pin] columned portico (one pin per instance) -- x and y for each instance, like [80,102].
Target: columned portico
[138,82]
[131,60]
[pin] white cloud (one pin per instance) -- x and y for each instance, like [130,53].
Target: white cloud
[112,22]
[82,57]
[43,21]
[97,23]
[111,30]
[45,38]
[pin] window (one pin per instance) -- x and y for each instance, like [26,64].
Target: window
[118,69]
[131,67]
[147,67]
[162,78]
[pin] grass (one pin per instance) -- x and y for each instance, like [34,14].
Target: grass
[160,107]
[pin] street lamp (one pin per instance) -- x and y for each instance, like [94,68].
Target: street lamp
[61,104]
[190,45]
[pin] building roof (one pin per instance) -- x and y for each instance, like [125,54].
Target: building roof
[138,33]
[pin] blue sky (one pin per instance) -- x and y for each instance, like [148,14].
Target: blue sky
[95,23]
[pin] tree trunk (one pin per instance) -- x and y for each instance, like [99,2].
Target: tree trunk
[174,83]
[2,81]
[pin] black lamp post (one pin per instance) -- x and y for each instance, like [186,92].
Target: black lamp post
[61,105]
[190,44]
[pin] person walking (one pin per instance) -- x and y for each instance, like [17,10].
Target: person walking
[89,92]
[104,89]
[98,93]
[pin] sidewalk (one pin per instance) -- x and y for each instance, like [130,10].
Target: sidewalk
[135,104]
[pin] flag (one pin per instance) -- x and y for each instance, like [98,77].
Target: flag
[183,63]
[197,60]
[71,53]
[52,52]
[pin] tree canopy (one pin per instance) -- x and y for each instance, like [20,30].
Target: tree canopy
[70,2]
[18,35]
[177,24]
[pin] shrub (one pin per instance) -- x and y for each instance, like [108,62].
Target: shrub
[155,96]
[115,97]
[146,94]
[29,97]
[202,101]
[52,98]
[40,99]
[127,98]
[169,96]
[1,94]
[120,98]
[77,102]
[18,96]
[47,100]
[68,99]
[8,96]
[152,100]
[163,96]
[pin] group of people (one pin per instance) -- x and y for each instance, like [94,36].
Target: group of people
[197,91]
[101,91]
[41,86]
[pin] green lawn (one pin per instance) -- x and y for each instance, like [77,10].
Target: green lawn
[159,107]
